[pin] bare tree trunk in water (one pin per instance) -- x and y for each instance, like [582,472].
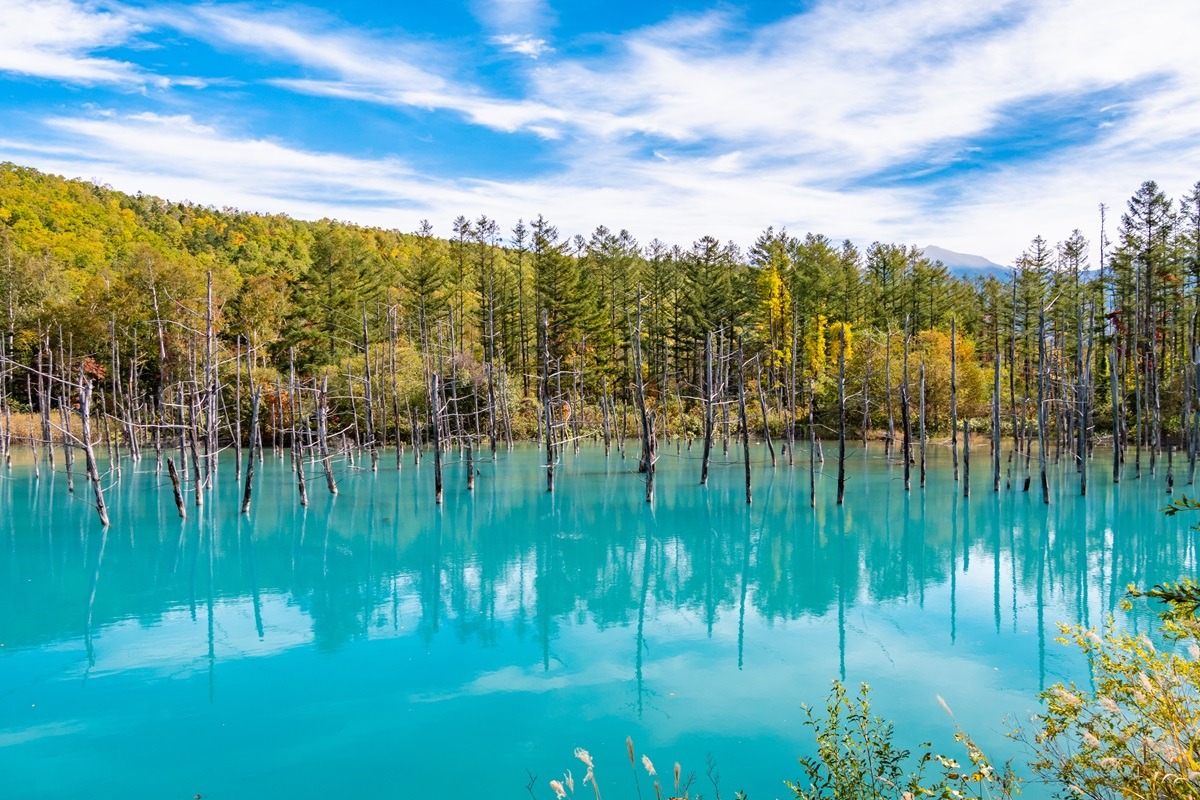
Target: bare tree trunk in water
[745,424]
[841,478]
[954,395]
[93,474]
[709,418]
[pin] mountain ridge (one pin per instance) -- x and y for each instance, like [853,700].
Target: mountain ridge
[965,265]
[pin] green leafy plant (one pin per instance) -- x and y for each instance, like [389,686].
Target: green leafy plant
[857,759]
[1137,733]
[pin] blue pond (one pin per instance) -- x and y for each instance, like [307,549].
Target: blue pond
[377,645]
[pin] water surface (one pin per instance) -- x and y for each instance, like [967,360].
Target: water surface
[376,645]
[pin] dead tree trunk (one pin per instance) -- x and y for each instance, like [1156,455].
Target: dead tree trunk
[762,402]
[295,406]
[996,423]
[812,445]
[649,456]
[369,396]
[906,416]
[866,422]
[323,434]
[1041,418]
[93,473]
[393,337]
[1195,413]
[547,408]
[745,423]
[237,413]
[193,434]
[176,490]
[966,477]
[45,368]
[954,395]
[1085,396]
[921,425]
[255,402]
[435,412]
[68,452]
[887,382]
[1117,411]
[793,406]
[841,478]
[605,416]
[211,387]
[470,464]
[709,415]
[6,417]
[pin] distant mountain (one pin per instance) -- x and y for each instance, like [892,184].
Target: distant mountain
[965,265]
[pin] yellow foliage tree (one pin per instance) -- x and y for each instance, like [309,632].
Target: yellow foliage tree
[834,345]
[816,353]
[775,320]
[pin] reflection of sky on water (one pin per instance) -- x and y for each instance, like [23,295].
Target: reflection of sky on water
[377,644]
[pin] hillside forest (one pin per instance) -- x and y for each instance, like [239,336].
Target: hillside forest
[172,324]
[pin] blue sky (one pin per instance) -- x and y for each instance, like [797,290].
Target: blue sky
[972,125]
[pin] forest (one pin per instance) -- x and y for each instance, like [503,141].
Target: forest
[150,324]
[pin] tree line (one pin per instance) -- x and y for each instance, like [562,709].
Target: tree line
[188,316]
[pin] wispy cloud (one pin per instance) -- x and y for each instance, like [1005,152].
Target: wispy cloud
[914,120]
[177,151]
[523,44]
[177,156]
[519,26]
[58,39]
[358,66]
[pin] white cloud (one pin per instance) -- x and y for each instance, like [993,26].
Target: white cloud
[839,94]
[874,85]
[384,70]
[57,38]
[179,158]
[523,44]
[176,153]
[706,124]
[182,122]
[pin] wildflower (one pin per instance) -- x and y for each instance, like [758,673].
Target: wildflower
[584,756]
[1090,739]
[1109,705]
[559,791]
[1067,697]
[648,765]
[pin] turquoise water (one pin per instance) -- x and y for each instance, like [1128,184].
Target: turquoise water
[376,645]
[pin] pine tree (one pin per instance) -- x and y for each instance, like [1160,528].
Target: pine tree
[328,297]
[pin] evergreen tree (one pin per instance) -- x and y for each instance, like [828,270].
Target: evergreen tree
[328,296]
[423,283]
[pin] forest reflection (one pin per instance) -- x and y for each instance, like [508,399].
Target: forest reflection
[511,560]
